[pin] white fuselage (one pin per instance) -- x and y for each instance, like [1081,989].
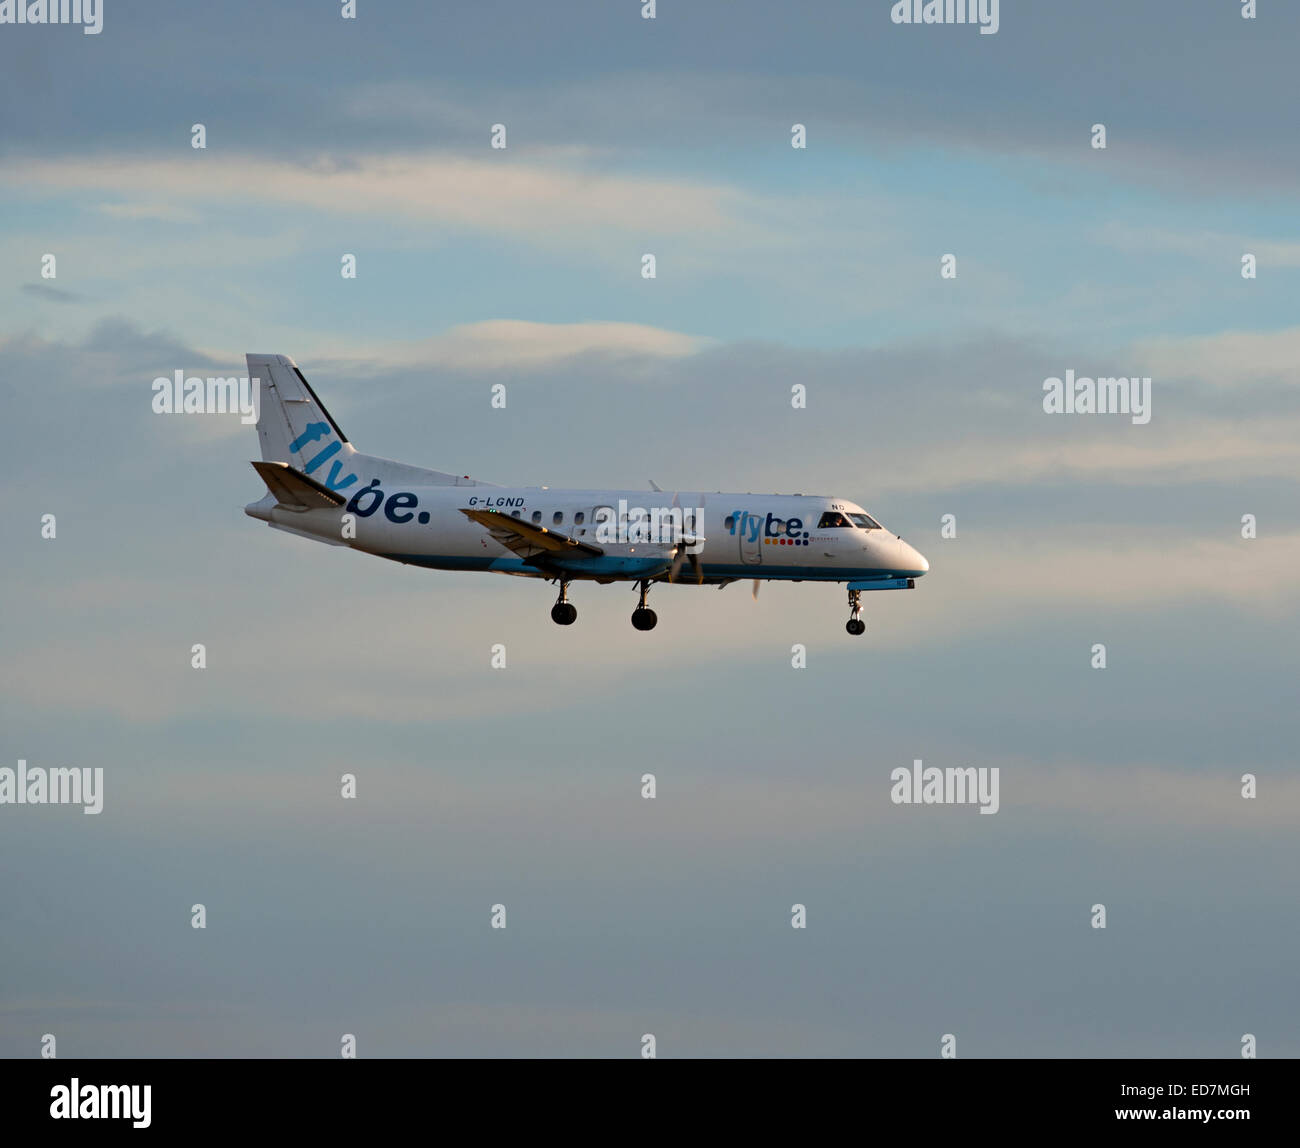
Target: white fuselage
[766,536]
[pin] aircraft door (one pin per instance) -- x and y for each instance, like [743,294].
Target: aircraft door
[750,532]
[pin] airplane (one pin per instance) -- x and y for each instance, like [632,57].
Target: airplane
[319,486]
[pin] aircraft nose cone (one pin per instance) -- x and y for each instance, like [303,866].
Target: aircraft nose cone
[911,559]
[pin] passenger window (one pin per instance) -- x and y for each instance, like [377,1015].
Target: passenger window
[729,522]
[579,518]
[557,518]
[537,516]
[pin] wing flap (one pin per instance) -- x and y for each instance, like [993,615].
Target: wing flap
[528,540]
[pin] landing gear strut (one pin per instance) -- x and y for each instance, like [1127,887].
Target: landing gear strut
[855,625]
[644,618]
[564,613]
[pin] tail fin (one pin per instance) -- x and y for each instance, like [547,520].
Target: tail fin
[295,428]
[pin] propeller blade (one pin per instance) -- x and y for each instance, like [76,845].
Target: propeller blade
[755,589]
[676,567]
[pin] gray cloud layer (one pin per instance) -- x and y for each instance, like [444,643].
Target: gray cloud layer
[521,786]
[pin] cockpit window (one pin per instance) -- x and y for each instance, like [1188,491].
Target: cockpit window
[832,518]
[865,521]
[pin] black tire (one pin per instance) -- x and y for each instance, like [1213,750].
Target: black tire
[855,626]
[644,619]
[564,613]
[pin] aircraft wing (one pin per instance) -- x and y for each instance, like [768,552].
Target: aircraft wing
[527,540]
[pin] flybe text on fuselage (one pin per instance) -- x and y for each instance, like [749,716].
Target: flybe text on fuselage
[790,531]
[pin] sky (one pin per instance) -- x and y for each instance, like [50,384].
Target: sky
[522,786]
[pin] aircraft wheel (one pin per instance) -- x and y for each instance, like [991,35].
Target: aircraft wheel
[644,618]
[855,626]
[564,613]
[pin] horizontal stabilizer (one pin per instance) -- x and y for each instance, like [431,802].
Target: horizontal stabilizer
[294,490]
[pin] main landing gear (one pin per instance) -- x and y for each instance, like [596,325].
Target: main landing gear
[564,612]
[855,625]
[644,618]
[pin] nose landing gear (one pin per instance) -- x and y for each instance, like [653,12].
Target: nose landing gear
[564,612]
[644,618]
[855,625]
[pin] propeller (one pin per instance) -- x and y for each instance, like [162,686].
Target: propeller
[755,590]
[682,554]
[684,550]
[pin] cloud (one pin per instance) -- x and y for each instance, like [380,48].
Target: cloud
[534,201]
[160,212]
[668,915]
[708,812]
[373,664]
[1258,445]
[121,351]
[1225,359]
[1137,571]
[516,343]
[54,294]
[1209,246]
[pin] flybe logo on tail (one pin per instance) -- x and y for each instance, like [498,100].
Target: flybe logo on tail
[314,433]
[775,531]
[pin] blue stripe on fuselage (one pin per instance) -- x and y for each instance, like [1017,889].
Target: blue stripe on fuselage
[686,578]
